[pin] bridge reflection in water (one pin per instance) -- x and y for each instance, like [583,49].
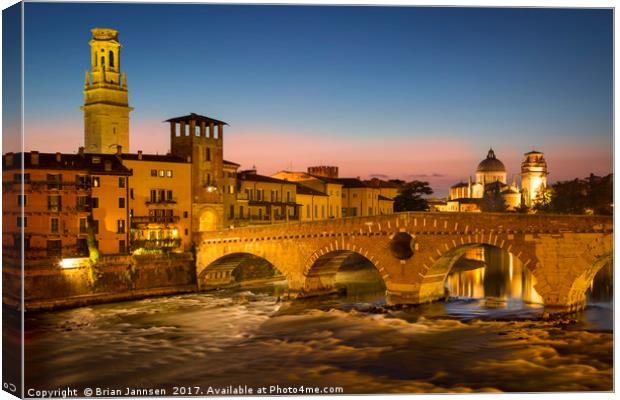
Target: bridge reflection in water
[494,274]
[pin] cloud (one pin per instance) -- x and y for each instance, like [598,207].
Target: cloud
[433,175]
[379,176]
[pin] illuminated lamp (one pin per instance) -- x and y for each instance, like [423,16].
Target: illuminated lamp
[67,263]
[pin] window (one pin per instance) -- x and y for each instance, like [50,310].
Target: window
[82,203]
[186,232]
[232,212]
[322,211]
[111,58]
[161,195]
[121,181]
[82,247]
[131,194]
[208,154]
[94,202]
[54,248]
[153,196]
[22,200]
[354,211]
[96,182]
[184,214]
[95,226]
[83,226]
[121,202]
[231,189]
[354,195]
[54,181]
[169,195]
[344,212]
[316,211]
[369,210]
[162,173]
[120,226]
[308,211]
[153,172]
[54,203]
[122,247]
[22,222]
[288,197]
[54,225]
[18,178]
[82,182]
[240,211]
[169,173]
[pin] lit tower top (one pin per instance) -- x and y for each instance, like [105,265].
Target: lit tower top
[106,108]
[533,176]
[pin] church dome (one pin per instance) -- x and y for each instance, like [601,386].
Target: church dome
[491,164]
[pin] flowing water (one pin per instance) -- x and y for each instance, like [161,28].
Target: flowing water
[486,337]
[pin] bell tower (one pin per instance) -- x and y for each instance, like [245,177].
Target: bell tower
[106,108]
[533,176]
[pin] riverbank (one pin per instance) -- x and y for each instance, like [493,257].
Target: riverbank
[74,283]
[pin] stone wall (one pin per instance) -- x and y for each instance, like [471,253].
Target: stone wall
[115,278]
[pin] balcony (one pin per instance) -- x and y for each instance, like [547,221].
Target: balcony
[155,244]
[155,219]
[169,201]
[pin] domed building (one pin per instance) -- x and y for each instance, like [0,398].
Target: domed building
[491,169]
[490,179]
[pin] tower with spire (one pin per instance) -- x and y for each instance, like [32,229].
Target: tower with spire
[106,107]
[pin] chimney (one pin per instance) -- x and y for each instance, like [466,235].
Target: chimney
[34,157]
[119,149]
[81,151]
[8,159]
[58,156]
[139,154]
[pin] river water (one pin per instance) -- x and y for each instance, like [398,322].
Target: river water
[486,337]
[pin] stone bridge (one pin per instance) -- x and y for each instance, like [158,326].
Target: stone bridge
[415,251]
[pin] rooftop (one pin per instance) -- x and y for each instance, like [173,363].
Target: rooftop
[154,157]
[95,163]
[196,117]
[301,189]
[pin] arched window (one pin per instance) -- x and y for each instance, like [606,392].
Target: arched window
[111,57]
[102,61]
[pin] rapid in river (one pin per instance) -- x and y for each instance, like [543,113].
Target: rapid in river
[488,336]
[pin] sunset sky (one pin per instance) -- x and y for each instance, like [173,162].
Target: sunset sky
[410,93]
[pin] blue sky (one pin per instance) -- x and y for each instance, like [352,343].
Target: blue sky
[405,92]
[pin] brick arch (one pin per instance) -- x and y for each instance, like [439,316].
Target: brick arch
[446,253]
[321,267]
[598,252]
[221,270]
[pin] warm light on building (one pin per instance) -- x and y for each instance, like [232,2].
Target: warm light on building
[67,263]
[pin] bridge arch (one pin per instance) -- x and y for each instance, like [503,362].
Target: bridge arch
[445,253]
[232,268]
[598,253]
[322,268]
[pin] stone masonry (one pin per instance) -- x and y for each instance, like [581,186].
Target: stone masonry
[415,251]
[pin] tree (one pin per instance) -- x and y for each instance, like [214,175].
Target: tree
[410,197]
[542,202]
[493,201]
[593,194]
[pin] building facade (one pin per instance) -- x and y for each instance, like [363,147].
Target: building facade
[490,183]
[159,202]
[57,200]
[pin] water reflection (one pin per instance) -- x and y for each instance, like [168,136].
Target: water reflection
[491,273]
